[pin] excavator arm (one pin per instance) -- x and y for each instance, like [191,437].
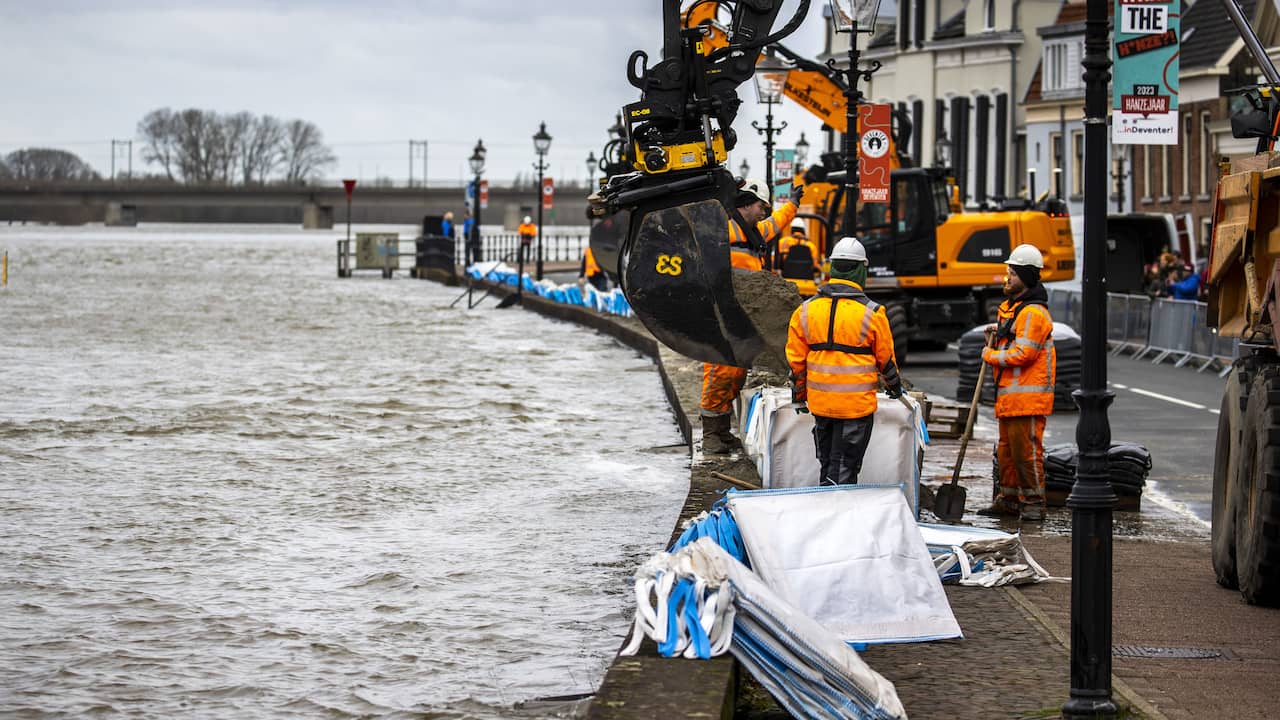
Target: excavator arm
[670,216]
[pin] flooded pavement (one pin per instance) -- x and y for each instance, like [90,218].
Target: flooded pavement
[237,486]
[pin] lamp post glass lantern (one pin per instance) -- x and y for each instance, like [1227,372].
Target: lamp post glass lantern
[471,243]
[770,79]
[744,169]
[942,151]
[541,144]
[802,153]
[854,15]
[591,168]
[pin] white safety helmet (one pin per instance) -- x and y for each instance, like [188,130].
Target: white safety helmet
[528,219]
[1026,255]
[757,188]
[849,249]
[798,225]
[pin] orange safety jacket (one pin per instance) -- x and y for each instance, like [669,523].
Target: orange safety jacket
[589,267]
[786,243]
[527,231]
[838,344]
[1024,359]
[769,228]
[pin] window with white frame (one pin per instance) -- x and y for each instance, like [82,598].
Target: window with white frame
[1055,163]
[1186,154]
[1146,172]
[1207,163]
[1077,162]
[1166,171]
[989,15]
[1060,66]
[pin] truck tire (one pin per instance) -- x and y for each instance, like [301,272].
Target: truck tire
[1256,491]
[897,315]
[1224,508]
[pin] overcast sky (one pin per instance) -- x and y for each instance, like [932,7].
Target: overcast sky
[370,74]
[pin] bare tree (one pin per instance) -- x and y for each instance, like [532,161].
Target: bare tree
[5,173]
[157,131]
[48,165]
[229,148]
[196,140]
[305,153]
[262,154]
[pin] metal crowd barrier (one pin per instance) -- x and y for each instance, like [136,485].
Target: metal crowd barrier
[555,248]
[1161,328]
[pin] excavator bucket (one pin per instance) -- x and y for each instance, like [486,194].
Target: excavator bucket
[676,272]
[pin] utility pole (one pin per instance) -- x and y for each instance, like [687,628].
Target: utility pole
[413,146]
[128,146]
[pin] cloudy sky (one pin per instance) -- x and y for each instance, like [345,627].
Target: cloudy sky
[371,74]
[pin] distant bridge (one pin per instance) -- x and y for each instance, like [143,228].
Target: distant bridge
[315,207]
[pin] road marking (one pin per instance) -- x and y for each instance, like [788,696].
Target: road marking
[1215,412]
[1166,398]
[1122,387]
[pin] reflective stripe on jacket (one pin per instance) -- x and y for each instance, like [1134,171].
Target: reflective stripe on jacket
[1024,359]
[838,343]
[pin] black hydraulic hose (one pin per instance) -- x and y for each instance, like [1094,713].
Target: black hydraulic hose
[791,26]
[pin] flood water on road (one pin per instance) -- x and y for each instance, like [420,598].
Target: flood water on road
[234,485]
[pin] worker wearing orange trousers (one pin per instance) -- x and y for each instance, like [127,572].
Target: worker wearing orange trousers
[721,384]
[1020,351]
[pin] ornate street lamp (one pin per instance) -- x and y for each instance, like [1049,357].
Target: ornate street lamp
[744,169]
[853,17]
[1092,499]
[541,144]
[802,153]
[942,151]
[1119,174]
[592,164]
[471,243]
[771,78]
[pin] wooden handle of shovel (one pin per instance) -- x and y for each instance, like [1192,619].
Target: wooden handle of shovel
[973,415]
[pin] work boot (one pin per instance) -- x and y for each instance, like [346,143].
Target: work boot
[998,510]
[1032,513]
[716,437]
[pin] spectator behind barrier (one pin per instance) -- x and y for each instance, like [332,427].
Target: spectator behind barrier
[1185,285]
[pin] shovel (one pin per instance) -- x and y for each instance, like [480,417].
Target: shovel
[948,504]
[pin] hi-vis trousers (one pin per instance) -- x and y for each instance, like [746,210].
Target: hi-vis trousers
[721,385]
[1020,457]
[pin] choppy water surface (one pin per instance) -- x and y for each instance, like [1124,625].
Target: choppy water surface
[234,485]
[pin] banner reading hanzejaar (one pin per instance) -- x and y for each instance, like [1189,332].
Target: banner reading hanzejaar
[1145,74]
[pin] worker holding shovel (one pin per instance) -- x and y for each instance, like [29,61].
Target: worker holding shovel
[1020,352]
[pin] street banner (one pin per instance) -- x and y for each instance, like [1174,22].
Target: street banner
[784,169]
[875,123]
[548,194]
[1145,76]
[484,194]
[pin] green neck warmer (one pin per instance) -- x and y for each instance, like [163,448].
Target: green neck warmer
[857,275]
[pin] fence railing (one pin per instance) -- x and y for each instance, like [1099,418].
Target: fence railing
[560,247]
[1161,328]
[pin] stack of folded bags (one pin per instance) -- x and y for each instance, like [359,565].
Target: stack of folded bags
[1127,465]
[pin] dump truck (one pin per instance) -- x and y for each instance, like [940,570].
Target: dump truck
[1244,292]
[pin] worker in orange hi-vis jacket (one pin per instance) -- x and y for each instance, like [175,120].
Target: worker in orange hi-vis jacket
[721,384]
[1020,350]
[839,347]
[527,232]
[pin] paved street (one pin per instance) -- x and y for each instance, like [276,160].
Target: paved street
[1172,411]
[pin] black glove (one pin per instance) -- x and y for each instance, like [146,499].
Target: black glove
[895,392]
[797,190]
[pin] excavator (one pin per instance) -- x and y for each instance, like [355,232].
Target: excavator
[664,224]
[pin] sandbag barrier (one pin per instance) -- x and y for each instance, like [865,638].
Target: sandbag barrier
[1161,328]
[611,303]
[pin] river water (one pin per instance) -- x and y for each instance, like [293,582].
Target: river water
[234,485]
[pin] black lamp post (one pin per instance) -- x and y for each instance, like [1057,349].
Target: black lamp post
[1092,499]
[541,144]
[472,241]
[770,77]
[592,163]
[1119,174]
[853,17]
